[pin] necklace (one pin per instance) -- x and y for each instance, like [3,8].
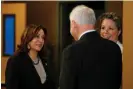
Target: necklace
[36,62]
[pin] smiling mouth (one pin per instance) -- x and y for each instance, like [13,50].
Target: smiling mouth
[106,36]
[40,45]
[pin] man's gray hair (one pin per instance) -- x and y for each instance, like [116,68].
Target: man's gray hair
[82,14]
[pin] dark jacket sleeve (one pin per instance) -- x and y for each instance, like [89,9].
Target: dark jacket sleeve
[115,68]
[11,74]
[68,71]
[119,66]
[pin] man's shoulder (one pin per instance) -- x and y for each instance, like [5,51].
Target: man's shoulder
[73,46]
[111,45]
[68,48]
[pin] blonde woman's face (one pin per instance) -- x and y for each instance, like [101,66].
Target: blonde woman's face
[37,42]
[109,30]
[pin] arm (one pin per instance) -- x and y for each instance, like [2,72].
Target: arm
[68,71]
[119,67]
[11,74]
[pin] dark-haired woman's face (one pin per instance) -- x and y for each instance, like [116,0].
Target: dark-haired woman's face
[109,30]
[37,42]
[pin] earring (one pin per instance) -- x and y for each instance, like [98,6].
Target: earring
[28,46]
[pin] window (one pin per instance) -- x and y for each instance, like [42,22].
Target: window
[8,34]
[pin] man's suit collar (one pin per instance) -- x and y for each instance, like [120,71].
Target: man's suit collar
[90,36]
[85,33]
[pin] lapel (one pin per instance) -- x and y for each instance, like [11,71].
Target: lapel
[45,65]
[31,67]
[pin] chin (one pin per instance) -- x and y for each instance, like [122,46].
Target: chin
[38,49]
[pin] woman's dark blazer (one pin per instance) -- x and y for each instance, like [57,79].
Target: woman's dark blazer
[21,73]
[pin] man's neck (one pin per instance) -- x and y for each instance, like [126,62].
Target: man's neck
[87,31]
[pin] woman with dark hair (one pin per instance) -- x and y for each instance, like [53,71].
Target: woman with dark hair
[109,26]
[28,67]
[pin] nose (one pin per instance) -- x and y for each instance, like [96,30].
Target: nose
[106,30]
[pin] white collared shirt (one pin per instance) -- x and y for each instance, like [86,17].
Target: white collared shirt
[40,70]
[85,33]
[120,45]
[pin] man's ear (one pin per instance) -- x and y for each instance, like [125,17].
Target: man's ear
[73,24]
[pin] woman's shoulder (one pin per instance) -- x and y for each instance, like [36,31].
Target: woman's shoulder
[16,57]
[15,62]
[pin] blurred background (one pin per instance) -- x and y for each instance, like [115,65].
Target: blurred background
[54,16]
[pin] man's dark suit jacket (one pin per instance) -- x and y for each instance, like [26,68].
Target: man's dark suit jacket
[91,63]
[21,74]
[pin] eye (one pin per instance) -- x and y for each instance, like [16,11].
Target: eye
[37,36]
[102,28]
[111,28]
